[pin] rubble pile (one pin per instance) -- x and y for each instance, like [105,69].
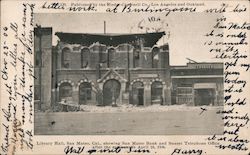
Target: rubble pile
[151,108]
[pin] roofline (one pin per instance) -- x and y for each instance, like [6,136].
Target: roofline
[148,39]
[110,34]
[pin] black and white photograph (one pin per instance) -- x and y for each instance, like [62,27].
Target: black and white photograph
[125,77]
[126,74]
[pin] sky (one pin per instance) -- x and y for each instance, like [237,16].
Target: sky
[185,31]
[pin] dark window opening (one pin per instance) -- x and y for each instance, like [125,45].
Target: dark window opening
[155,57]
[102,54]
[84,92]
[65,57]
[111,57]
[65,91]
[84,57]
[136,54]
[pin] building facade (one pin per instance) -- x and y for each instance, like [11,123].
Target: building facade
[197,84]
[114,69]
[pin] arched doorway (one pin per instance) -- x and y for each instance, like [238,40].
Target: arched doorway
[111,91]
[84,92]
[65,91]
[156,93]
[138,93]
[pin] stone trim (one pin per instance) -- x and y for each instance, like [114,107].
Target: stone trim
[65,81]
[85,80]
[138,80]
[108,75]
[157,80]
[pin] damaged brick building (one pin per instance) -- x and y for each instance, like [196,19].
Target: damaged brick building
[108,69]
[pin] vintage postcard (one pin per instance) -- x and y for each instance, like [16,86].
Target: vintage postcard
[125,77]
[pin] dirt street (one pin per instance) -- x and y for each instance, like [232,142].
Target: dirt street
[172,122]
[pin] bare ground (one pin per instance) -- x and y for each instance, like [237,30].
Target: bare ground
[152,120]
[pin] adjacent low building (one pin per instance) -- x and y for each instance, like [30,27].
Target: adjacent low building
[197,84]
[114,69]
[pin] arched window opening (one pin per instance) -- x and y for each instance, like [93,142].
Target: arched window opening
[85,90]
[103,54]
[65,57]
[111,58]
[136,55]
[85,57]
[155,57]
[65,92]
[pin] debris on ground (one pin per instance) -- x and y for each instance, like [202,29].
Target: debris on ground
[151,108]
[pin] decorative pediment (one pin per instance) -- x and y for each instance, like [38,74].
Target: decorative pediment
[112,74]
